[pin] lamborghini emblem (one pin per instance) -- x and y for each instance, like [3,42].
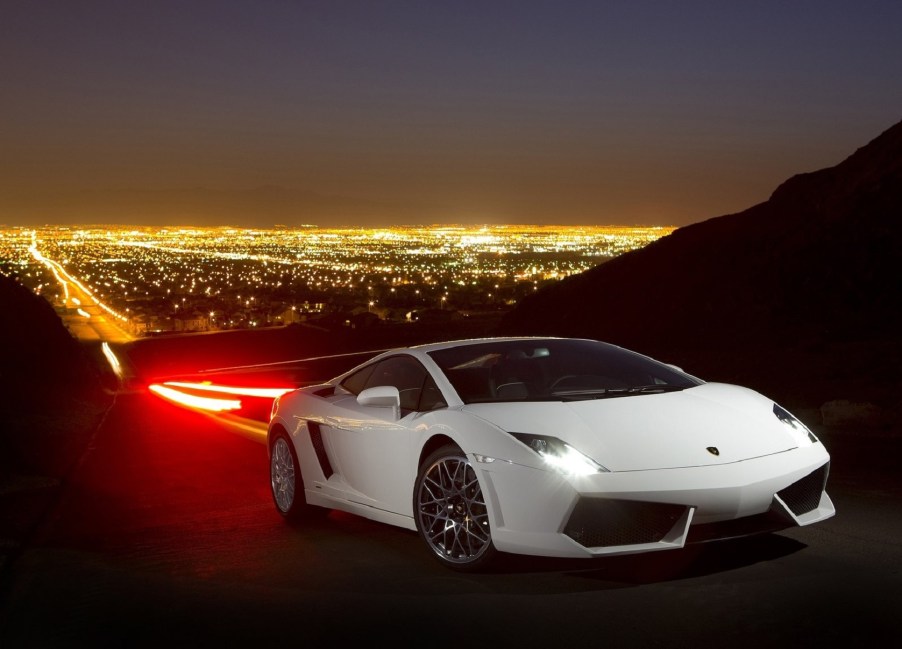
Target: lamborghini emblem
[713,450]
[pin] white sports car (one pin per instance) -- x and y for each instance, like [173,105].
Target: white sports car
[543,446]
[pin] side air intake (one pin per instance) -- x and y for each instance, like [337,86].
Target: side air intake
[316,438]
[804,495]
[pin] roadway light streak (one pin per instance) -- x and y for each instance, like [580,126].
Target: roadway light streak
[33,249]
[226,389]
[112,359]
[193,401]
[58,270]
[253,430]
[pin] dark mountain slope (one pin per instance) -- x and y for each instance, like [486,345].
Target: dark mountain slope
[817,266]
[37,353]
[51,390]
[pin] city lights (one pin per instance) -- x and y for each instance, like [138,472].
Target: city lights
[203,279]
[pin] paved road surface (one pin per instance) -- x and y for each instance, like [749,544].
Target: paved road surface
[166,536]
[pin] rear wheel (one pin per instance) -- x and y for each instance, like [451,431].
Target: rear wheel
[285,479]
[450,510]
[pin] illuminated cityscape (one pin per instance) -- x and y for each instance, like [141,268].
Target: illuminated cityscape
[155,280]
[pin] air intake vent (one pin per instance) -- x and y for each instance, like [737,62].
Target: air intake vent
[600,522]
[316,438]
[804,495]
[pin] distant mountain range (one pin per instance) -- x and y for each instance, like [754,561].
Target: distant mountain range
[817,263]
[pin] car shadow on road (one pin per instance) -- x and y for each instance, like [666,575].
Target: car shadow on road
[403,547]
[654,567]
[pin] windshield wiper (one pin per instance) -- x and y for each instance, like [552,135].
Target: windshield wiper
[574,395]
[651,389]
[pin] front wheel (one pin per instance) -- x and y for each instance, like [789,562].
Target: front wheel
[450,510]
[285,479]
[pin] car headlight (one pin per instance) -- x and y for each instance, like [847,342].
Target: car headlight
[560,455]
[787,418]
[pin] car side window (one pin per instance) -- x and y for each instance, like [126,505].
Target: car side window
[404,373]
[431,397]
[357,381]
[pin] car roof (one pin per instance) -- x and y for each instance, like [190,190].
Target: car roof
[422,350]
[431,347]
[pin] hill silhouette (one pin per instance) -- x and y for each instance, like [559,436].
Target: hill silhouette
[51,392]
[36,349]
[809,276]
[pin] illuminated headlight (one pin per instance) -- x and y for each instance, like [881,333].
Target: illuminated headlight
[788,419]
[560,455]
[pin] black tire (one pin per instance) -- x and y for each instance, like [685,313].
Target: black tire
[285,479]
[450,511]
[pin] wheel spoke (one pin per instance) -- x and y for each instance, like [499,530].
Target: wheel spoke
[282,475]
[452,511]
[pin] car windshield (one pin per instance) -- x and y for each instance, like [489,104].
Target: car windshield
[553,370]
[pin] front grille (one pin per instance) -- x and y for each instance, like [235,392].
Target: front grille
[804,495]
[601,522]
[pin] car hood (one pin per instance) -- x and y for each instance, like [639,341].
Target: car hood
[709,424]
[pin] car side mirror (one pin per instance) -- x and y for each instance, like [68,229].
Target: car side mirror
[381,396]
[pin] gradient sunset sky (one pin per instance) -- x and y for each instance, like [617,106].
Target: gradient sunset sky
[263,112]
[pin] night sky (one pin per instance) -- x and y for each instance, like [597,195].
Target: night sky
[268,112]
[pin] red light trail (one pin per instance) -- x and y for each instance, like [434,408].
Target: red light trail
[175,391]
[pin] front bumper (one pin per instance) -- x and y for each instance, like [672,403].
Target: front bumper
[544,513]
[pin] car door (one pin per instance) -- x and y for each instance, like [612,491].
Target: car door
[372,446]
